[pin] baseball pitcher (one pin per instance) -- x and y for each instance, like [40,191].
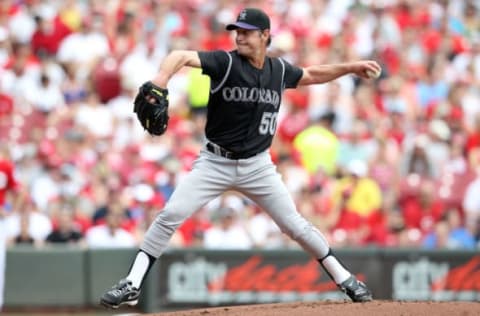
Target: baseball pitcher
[245,96]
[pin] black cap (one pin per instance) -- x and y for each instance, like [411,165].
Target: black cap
[250,19]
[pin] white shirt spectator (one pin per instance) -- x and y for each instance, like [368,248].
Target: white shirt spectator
[98,119]
[16,85]
[83,47]
[139,66]
[121,107]
[234,237]
[471,201]
[45,97]
[264,232]
[102,237]
[22,26]
[43,189]
[39,225]
[227,233]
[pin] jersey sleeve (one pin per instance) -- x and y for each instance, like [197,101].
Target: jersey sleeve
[214,63]
[292,76]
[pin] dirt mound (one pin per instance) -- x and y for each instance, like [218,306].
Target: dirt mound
[390,308]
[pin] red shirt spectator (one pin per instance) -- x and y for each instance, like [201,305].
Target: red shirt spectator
[48,35]
[422,209]
[7,178]
[194,227]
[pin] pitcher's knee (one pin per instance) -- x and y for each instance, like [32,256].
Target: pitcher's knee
[298,232]
[170,217]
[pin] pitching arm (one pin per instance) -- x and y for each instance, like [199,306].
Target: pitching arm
[174,61]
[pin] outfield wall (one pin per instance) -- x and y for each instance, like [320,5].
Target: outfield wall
[71,277]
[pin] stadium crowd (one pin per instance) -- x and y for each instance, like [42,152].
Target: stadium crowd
[391,162]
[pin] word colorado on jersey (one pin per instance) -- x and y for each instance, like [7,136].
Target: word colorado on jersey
[244,94]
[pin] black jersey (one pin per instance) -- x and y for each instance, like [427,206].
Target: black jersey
[244,100]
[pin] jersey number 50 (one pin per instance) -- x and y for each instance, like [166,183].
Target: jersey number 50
[268,124]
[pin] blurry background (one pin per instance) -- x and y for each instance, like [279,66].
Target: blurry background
[391,163]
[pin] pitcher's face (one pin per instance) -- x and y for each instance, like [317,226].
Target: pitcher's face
[249,42]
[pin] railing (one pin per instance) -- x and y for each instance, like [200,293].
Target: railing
[63,277]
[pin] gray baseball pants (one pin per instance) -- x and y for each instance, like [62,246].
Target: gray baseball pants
[256,177]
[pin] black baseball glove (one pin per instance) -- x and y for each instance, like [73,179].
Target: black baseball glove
[151,106]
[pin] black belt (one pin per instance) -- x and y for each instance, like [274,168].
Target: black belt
[217,150]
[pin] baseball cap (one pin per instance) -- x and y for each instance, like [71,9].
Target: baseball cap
[250,19]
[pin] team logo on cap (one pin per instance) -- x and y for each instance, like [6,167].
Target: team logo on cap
[242,15]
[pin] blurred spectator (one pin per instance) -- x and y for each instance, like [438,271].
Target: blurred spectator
[44,95]
[332,97]
[28,225]
[193,229]
[296,118]
[8,184]
[227,232]
[449,233]
[432,88]
[416,160]
[394,100]
[357,191]
[263,231]
[473,138]
[24,237]
[73,89]
[140,64]
[460,237]
[438,238]
[48,35]
[198,88]
[20,73]
[318,138]
[357,145]
[65,232]
[438,150]
[383,166]
[471,201]
[357,200]
[115,205]
[21,23]
[421,208]
[110,234]
[46,186]
[85,47]
[96,118]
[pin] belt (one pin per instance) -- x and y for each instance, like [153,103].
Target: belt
[217,150]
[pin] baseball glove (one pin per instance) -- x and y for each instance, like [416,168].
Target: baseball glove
[151,107]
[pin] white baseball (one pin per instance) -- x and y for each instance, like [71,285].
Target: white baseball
[373,74]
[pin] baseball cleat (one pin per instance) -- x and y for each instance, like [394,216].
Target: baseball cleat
[356,290]
[123,293]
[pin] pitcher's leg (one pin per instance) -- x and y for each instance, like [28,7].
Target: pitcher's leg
[275,199]
[208,179]
[195,190]
[269,192]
